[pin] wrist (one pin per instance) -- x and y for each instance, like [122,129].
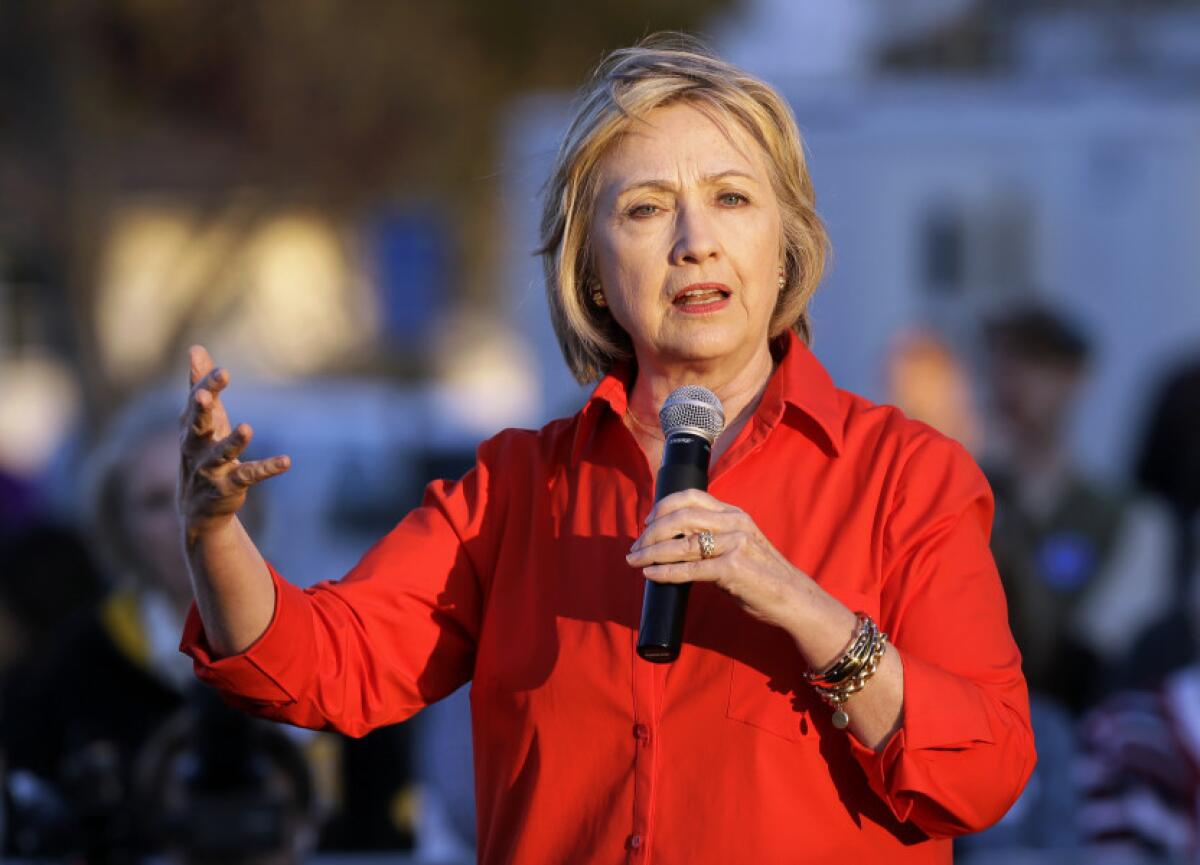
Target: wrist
[821,626]
[206,532]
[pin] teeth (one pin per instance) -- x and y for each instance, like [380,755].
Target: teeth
[700,293]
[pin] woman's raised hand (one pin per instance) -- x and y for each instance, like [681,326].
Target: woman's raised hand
[212,480]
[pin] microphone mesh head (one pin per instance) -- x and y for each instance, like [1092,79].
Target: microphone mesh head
[694,409]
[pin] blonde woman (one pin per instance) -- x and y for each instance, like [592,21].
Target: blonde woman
[848,686]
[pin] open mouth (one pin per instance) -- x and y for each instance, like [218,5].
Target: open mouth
[702,297]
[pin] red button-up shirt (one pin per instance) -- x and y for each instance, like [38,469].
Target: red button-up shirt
[514,578]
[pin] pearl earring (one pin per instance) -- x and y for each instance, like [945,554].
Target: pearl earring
[782,280]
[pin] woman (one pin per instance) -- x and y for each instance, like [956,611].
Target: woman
[112,674]
[681,246]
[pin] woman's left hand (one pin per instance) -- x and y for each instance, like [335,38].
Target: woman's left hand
[770,588]
[743,562]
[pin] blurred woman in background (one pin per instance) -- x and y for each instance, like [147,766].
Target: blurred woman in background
[112,675]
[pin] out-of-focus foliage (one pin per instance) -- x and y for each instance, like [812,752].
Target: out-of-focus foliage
[236,108]
[343,96]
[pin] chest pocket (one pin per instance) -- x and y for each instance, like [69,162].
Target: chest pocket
[767,688]
[762,701]
[766,684]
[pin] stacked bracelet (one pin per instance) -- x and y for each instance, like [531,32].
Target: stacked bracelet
[850,673]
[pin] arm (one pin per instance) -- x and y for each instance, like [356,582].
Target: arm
[965,748]
[229,576]
[942,729]
[395,634]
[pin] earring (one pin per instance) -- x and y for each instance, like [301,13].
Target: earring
[782,279]
[598,298]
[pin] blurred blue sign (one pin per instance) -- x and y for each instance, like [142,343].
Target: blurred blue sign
[409,258]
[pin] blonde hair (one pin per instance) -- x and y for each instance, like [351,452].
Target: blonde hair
[629,83]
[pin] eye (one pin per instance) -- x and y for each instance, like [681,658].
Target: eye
[732,199]
[641,211]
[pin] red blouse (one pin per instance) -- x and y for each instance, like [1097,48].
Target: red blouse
[514,578]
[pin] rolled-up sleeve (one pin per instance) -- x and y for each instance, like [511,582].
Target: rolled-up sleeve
[965,750]
[395,634]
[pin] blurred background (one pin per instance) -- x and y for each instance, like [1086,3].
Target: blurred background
[340,201]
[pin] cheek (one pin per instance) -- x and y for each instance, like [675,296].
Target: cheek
[623,257]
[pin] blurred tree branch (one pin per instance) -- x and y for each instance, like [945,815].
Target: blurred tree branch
[340,105]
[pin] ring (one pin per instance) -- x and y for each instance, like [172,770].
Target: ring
[708,546]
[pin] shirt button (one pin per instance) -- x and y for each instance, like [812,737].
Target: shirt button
[633,842]
[641,732]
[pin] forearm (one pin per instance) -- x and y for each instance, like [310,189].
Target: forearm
[234,591]
[823,627]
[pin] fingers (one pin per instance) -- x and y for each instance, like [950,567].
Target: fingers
[690,521]
[204,401]
[684,549]
[248,474]
[687,499]
[230,447]
[701,571]
[200,363]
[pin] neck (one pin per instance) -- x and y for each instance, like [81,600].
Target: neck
[738,387]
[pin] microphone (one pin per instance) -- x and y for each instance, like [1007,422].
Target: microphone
[692,417]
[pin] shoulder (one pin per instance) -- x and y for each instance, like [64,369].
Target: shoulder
[883,433]
[530,449]
[925,480]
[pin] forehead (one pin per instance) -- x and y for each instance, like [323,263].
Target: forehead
[681,137]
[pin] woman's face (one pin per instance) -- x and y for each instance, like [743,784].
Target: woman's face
[151,521]
[687,238]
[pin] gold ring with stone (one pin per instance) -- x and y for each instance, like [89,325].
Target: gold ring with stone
[708,546]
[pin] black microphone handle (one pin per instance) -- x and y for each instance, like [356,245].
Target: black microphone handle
[664,605]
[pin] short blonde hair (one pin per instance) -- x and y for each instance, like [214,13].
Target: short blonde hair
[629,83]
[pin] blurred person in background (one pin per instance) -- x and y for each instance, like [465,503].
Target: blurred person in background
[112,676]
[1168,467]
[681,245]
[1140,774]
[1085,566]
[18,504]
[216,787]
[48,579]
[76,714]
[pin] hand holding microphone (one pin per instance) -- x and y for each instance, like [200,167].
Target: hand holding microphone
[692,417]
[690,536]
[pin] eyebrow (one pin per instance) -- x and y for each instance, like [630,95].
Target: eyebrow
[668,186]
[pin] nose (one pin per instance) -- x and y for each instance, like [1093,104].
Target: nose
[695,236]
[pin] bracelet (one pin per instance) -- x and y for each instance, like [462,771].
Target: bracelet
[854,659]
[837,694]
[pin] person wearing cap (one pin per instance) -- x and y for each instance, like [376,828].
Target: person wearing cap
[848,687]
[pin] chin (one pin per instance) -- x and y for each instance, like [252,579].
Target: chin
[705,347]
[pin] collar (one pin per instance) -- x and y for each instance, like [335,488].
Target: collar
[799,383]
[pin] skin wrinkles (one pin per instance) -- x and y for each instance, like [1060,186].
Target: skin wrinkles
[685,198]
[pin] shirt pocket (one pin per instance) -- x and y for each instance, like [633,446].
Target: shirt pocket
[767,687]
[778,705]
